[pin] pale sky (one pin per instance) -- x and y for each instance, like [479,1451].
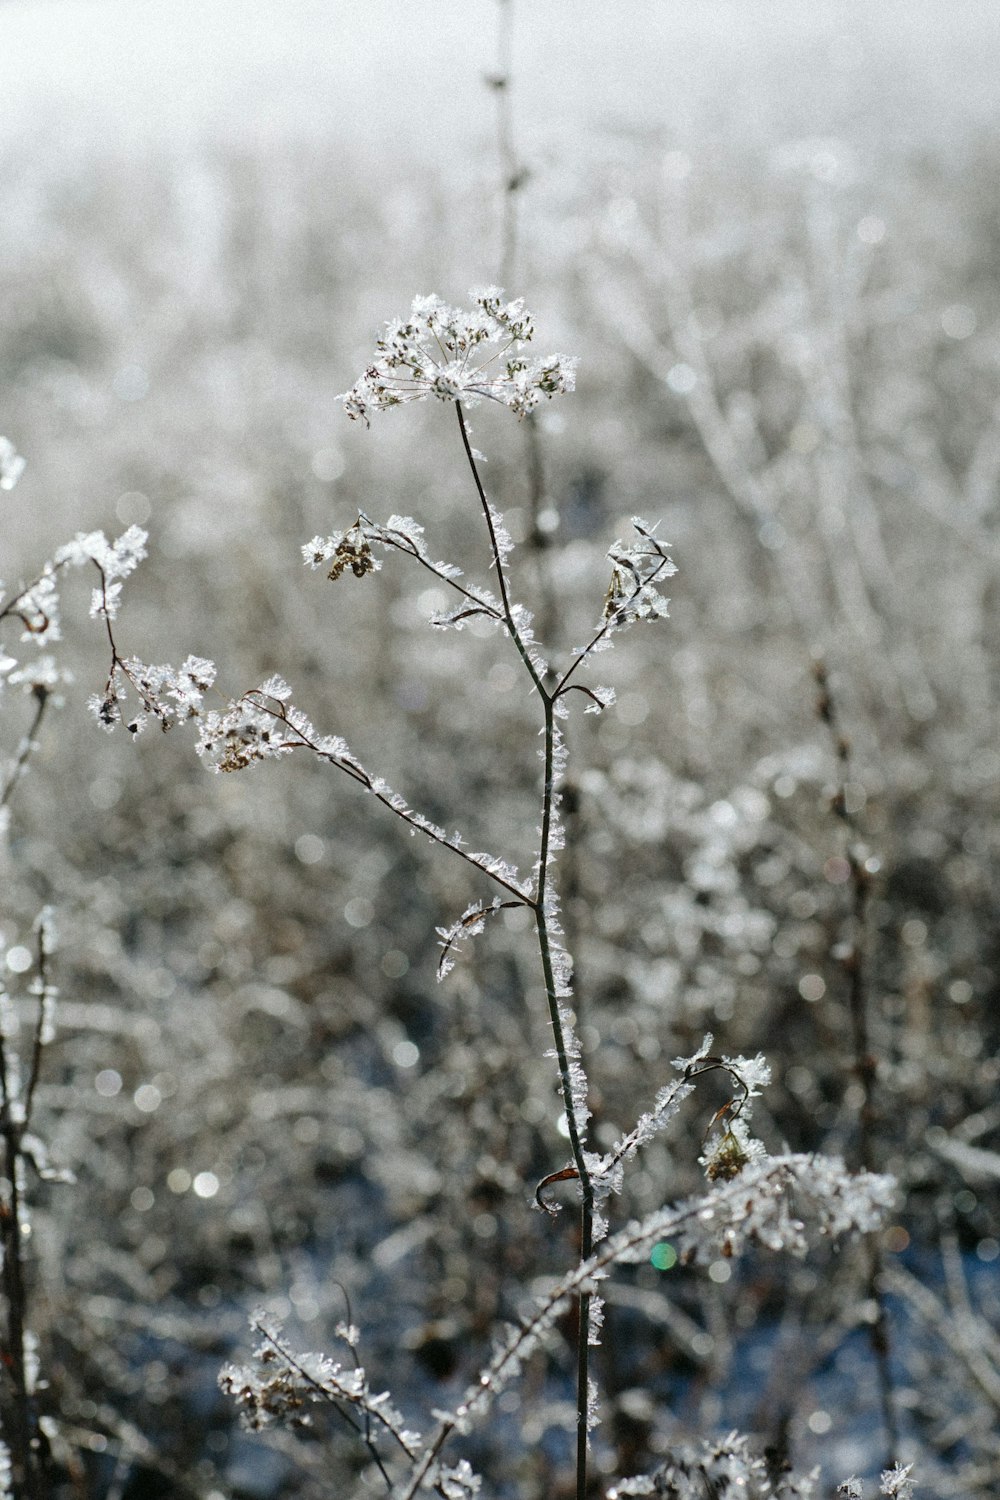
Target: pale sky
[378,74]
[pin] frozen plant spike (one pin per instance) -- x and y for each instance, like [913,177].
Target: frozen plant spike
[733,1150]
[462,355]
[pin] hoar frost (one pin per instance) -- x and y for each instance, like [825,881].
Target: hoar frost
[12,465]
[460,355]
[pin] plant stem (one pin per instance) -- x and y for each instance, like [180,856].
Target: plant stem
[512,172]
[865,1063]
[508,616]
[41,695]
[541,907]
[18,1419]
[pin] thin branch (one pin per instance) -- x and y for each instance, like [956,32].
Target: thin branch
[545,952]
[608,625]
[358,773]
[41,695]
[19,1415]
[391,537]
[471,920]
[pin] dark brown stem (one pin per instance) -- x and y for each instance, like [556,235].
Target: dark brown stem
[512,172]
[546,955]
[17,1412]
[865,1066]
[38,1043]
[512,629]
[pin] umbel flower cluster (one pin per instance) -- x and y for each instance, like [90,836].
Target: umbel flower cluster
[463,356]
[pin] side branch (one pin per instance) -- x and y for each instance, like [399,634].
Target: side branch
[305,739]
[617,615]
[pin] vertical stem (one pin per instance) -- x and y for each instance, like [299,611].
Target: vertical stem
[510,168]
[865,1064]
[576,1144]
[865,1071]
[540,906]
[17,1413]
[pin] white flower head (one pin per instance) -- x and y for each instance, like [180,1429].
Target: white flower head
[458,355]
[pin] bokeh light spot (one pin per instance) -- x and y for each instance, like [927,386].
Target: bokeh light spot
[663,1256]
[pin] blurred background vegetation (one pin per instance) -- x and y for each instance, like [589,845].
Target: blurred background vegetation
[774,244]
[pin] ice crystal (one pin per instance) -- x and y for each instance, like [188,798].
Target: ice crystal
[636,571]
[44,673]
[896,1483]
[773,1202]
[165,693]
[724,1469]
[469,924]
[596,1324]
[458,1481]
[115,559]
[458,355]
[244,733]
[37,607]
[12,465]
[280,1385]
[728,1469]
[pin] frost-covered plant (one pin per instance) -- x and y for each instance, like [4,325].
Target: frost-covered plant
[28,1007]
[754,1198]
[730,1470]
